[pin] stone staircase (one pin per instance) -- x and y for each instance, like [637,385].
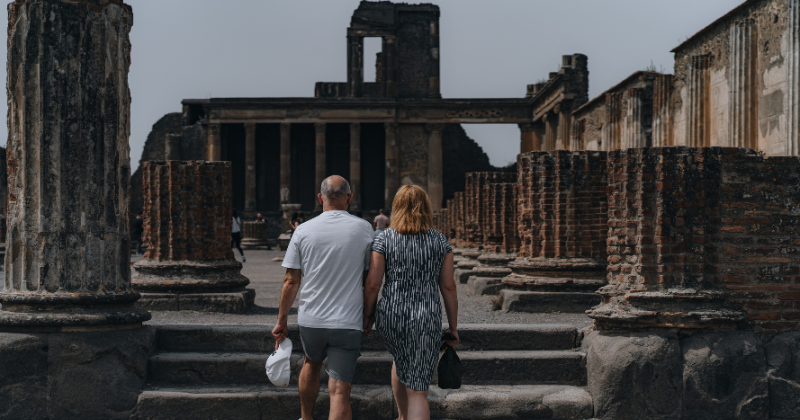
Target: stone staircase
[510,372]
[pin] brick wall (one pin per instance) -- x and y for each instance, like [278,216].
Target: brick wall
[500,227]
[458,219]
[562,204]
[704,221]
[187,210]
[475,204]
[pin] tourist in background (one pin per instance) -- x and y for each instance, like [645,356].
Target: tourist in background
[236,234]
[418,263]
[136,231]
[260,218]
[298,218]
[326,262]
[380,223]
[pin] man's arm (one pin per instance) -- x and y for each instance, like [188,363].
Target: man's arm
[291,285]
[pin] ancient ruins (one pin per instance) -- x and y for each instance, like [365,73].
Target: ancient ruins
[666,212]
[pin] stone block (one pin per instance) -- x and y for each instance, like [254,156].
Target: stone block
[537,302]
[783,363]
[724,376]
[634,375]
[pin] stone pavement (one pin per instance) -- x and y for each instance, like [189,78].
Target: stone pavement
[266,276]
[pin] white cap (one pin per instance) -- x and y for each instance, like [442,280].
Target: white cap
[278,365]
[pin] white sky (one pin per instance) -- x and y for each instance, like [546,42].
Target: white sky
[211,48]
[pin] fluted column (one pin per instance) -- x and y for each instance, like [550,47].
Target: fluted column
[250,167]
[632,133]
[320,159]
[697,124]
[435,186]
[793,80]
[392,181]
[355,166]
[286,162]
[214,144]
[662,124]
[67,264]
[742,102]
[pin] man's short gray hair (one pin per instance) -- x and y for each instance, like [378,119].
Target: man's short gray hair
[334,192]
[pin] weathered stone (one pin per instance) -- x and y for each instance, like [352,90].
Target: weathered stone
[724,376]
[255,235]
[68,167]
[82,376]
[783,361]
[187,228]
[635,375]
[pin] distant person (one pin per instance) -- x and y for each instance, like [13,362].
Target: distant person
[298,218]
[418,264]
[326,262]
[380,223]
[136,232]
[260,218]
[236,234]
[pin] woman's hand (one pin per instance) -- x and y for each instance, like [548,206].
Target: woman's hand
[453,343]
[369,321]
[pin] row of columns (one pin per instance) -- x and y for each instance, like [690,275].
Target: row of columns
[392,174]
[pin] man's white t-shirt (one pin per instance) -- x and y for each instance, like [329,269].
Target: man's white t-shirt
[332,250]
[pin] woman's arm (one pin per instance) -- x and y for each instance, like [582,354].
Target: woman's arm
[450,294]
[372,286]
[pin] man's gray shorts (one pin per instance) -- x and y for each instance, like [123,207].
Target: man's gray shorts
[341,347]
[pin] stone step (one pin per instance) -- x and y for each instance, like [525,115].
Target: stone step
[368,402]
[258,338]
[565,367]
[480,286]
[554,284]
[540,302]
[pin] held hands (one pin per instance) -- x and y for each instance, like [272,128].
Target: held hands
[280,332]
[369,321]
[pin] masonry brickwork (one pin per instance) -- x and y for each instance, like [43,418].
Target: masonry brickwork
[500,225]
[475,204]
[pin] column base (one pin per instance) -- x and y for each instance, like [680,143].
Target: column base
[249,243]
[675,309]
[192,286]
[487,278]
[236,302]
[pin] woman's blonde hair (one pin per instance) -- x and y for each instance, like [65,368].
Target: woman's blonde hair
[411,211]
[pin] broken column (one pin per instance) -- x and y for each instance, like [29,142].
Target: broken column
[72,342]
[189,264]
[562,214]
[254,235]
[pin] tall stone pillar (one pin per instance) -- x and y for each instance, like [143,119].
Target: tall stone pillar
[662,125]
[67,263]
[435,186]
[434,90]
[697,125]
[526,137]
[742,80]
[320,159]
[793,80]
[189,264]
[392,174]
[390,71]
[214,143]
[286,162]
[550,131]
[250,167]
[355,63]
[564,126]
[355,166]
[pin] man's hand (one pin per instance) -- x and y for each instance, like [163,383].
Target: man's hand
[280,332]
[368,322]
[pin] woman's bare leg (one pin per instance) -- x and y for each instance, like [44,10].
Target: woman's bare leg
[399,394]
[418,408]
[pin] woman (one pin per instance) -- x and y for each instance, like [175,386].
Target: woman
[418,263]
[298,218]
[236,234]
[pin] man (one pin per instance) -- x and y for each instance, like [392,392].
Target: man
[331,253]
[380,223]
[260,218]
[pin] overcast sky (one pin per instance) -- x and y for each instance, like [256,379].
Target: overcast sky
[211,48]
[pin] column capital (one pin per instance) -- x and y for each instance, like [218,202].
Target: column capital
[527,127]
[320,127]
[355,127]
[432,127]
[249,125]
[286,128]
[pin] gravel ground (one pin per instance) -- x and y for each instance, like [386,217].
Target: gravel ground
[266,276]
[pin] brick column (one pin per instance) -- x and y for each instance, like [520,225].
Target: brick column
[189,264]
[68,244]
[250,167]
[435,186]
[286,163]
[355,166]
[392,174]
[320,157]
[254,235]
[663,244]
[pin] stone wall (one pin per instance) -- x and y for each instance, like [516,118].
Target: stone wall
[500,227]
[475,203]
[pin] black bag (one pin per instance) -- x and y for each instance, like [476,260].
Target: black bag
[450,370]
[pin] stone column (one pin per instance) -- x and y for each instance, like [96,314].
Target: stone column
[355,61]
[67,265]
[550,131]
[662,125]
[526,137]
[742,80]
[392,181]
[214,143]
[320,155]
[697,127]
[435,186]
[793,80]
[286,163]
[355,166]
[189,264]
[564,125]
[250,167]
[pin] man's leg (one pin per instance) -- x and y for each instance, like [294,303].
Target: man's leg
[309,387]
[340,400]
